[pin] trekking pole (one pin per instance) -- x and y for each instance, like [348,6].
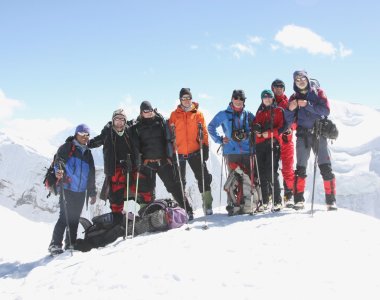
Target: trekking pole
[272,153]
[221,176]
[205,226]
[66,216]
[129,163]
[179,172]
[259,202]
[251,165]
[136,195]
[317,132]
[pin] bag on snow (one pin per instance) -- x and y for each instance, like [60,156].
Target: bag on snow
[238,188]
[161,215]
[99,233]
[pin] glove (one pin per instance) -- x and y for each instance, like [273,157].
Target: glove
[256,128]
[206,152]
[126,165]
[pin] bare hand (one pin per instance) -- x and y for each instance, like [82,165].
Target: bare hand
[225,140]
[292,105]
[302,103]
[59,174]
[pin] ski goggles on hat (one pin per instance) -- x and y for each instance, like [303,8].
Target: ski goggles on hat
[85,134]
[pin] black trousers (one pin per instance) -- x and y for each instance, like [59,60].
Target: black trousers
[264,161]
[196,166]
[74,206]
[169,176]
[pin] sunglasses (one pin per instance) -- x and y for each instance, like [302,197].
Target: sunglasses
[238,98]
[85,134]
[119,119]
[279,86]
[267,96]
[147,111]
[299,79]
[184,98]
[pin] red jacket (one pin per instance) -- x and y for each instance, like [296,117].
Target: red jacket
[263,117]
[282,101]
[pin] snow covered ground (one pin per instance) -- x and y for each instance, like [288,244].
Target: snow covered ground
[332,255]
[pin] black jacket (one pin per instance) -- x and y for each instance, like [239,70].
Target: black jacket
[152,138]
[113,145]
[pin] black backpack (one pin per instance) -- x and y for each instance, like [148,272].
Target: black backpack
[99,233]
[50,181]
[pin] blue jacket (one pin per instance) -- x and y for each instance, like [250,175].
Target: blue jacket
[78,166]
[316,108]
[226,119]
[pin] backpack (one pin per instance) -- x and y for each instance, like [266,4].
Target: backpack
[160,215]
[329,129]
[50,181]
[99,233]
[238,188]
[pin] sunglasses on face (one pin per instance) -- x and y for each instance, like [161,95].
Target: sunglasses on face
[184,98]
[238,98]
[279,86]
[299,79]
[147,111]
[119,119]
[83,134]
[267,97]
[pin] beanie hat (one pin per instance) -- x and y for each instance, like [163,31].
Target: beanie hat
[119,113]
[145,105]
[265,93]
[300,73]
[185,91]
[238,94]
[82,128]
[278,82]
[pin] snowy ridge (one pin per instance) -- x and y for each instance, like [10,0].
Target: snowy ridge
[275,255]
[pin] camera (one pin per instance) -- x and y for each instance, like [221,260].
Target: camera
[257,128]
[239,135]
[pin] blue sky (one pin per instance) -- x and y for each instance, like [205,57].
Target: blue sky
[76,61]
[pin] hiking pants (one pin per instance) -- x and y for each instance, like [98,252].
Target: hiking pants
[264,161]
[74,205]
[169,176]
[287,159]
[304,144]
[194,161]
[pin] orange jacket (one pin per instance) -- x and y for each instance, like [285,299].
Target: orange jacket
[186,129]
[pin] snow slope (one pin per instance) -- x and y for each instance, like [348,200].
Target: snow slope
[286,255]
